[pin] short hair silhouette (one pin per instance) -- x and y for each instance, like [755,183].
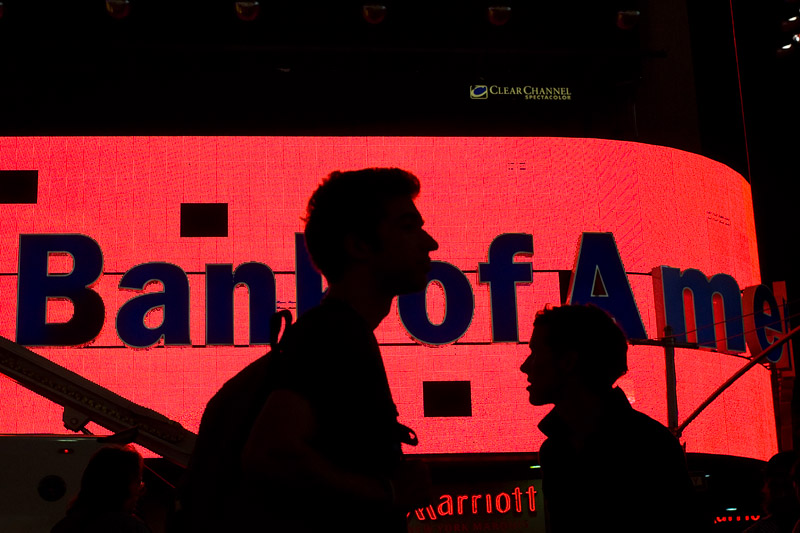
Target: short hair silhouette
[593,335]
[351,203]
[780,473]
[107,481]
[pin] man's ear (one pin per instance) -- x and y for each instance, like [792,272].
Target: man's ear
[568,361]
[357,248]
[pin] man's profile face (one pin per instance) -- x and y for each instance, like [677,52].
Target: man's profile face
[402,260]
[545,374]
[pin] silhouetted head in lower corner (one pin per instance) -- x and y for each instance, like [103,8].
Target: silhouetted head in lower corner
[574,346]
[779,489]
[111,482]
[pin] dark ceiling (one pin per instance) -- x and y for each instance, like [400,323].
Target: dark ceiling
[183,67]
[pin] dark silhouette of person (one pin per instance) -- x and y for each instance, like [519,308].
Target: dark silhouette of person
[604,464]
[324,453]
[794,477]
[780,506]
[110,487]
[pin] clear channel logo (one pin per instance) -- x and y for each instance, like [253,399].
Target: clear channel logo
[478,92]
[523,92]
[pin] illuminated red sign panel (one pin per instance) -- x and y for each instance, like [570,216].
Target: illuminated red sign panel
[162,228]
[505,506]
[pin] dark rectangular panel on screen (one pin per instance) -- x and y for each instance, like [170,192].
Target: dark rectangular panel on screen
[204,220]
[446,398]
[18,186]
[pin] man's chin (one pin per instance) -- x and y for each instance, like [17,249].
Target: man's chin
[537,399]
[413,286]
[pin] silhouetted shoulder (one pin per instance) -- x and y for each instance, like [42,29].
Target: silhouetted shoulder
[646,443]
[327,339]
[646,430]
[331,322]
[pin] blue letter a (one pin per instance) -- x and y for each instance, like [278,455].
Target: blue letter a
[599,278]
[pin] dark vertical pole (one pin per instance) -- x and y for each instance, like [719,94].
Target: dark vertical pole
[672,388]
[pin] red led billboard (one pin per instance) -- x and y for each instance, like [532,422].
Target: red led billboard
[154,223]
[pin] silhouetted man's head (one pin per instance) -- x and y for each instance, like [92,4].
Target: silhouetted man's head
[111,482]
[369,216]
[574,344]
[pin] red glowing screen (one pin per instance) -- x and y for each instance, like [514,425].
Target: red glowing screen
[663,206]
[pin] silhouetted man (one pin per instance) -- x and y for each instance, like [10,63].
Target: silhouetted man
[604,465]
[324,454]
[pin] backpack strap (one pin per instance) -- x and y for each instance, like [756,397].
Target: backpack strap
[276,323]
